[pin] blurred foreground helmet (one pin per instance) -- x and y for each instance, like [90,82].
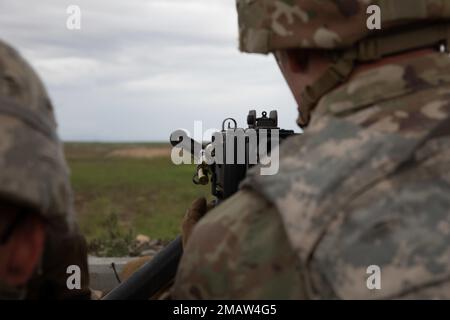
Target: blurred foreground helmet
[33,172]
[340,27]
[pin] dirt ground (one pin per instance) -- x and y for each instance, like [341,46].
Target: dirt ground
[141,152]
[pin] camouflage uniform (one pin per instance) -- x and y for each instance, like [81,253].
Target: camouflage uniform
[368,183]
[33,171]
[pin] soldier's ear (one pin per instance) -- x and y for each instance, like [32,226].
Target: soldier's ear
[23,251]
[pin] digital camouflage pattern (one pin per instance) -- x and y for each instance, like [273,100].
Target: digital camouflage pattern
[269,25]
[34,174]
[239,250]
[341,29]
[368,183]
[33,170]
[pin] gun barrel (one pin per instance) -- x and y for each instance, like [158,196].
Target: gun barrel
[152,276]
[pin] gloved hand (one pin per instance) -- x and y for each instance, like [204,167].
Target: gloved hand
[198,209]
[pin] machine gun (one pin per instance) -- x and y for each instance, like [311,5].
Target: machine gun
[218,166]
[226,175]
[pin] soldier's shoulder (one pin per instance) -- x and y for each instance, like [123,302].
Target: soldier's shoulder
[235,246]
[230,220]
[235,211]
[393,226]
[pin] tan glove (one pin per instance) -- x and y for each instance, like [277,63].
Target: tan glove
[198,209]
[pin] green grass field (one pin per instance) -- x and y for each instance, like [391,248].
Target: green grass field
[126,189]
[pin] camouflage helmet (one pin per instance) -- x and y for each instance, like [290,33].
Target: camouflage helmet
[340,27]
[33,172]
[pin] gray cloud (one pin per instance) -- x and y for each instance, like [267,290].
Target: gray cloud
[138,69]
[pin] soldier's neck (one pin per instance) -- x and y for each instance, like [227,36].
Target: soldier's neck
[391,60]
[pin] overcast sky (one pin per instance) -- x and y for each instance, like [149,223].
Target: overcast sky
[139,69]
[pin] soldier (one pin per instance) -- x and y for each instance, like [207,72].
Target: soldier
[38,235]
[366,187]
